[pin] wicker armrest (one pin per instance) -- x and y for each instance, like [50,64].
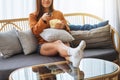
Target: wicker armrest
[116,39]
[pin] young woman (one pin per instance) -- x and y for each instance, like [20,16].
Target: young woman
[39,20]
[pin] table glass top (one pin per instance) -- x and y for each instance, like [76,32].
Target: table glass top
[64,70]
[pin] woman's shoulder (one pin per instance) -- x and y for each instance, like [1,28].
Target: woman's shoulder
[33,13]
[58,12]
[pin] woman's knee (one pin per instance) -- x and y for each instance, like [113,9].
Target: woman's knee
[58,41]
[48,51]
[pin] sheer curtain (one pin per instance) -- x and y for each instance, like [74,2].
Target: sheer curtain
[112,13]
[89,6]
[16,8]
[106,9]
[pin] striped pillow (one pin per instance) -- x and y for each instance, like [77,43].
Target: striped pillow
[95,38]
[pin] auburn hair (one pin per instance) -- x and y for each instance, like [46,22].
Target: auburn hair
[40,9]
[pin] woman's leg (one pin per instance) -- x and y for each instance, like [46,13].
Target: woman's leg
[50,49]
[75,54]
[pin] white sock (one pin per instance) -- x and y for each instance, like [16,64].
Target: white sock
[76,54]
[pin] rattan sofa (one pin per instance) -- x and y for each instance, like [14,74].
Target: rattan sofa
[20,60]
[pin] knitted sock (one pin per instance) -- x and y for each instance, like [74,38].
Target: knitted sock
[76,54]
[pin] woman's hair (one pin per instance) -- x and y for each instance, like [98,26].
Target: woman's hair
[40,9]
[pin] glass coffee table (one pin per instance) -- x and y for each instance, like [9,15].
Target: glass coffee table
[89,69]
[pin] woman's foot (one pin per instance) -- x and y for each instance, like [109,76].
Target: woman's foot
[76,54]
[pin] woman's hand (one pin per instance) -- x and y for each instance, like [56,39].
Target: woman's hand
[60,25]
[46,17]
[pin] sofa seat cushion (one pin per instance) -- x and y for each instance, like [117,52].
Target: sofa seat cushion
[10,64]
[106,54]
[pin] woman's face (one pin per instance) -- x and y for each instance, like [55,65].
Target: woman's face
[46,3]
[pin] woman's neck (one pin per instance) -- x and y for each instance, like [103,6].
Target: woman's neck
[46,10]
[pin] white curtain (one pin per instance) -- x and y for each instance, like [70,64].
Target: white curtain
[112,13]
[89,6]
[16,8]
[106,9]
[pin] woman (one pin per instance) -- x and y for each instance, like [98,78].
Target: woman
[39,20]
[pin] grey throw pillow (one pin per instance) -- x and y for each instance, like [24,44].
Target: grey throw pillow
[95,38]
[51,35]
[28,41]
[9,44]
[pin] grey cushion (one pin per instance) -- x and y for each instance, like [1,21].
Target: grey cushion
[51,35]
[95,38]
[18,61]
[9,44]
[28,41]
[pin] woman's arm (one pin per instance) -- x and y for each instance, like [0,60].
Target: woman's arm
[36,26]
[65,22]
